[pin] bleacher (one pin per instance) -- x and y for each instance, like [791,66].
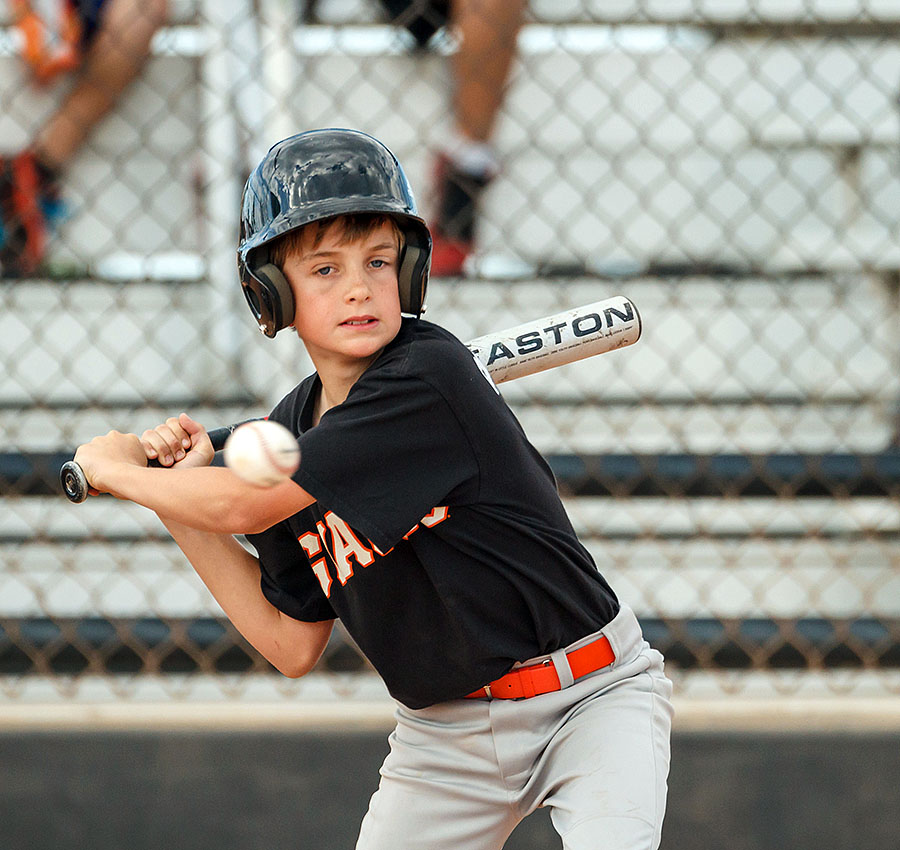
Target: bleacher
[730,166]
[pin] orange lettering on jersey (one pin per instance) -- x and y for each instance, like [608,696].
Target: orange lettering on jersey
[312,545]
[346,545]
[435,517]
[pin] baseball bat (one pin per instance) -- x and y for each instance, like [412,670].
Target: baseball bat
[559,339]
[522,350]
[75,484]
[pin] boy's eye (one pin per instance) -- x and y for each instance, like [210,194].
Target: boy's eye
[379,263]
[324,271]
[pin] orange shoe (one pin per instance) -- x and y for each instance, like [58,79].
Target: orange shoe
[28,198]
[50,47]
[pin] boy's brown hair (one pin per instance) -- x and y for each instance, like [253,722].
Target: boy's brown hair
[353,226]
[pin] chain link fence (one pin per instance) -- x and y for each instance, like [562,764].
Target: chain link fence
[729,165]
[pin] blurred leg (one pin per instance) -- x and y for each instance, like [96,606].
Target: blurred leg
[30,198]
[113,60]
[487,30]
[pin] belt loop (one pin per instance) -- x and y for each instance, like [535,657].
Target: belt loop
[561,663]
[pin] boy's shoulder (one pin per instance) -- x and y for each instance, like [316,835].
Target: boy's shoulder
[428,351]
[427,338]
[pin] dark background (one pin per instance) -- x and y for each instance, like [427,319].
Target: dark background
[309,789]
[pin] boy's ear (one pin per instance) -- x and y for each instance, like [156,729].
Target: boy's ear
[271,298]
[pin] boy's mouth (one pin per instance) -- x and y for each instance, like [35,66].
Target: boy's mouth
[360,321]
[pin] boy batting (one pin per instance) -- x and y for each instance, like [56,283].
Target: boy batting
[423,518]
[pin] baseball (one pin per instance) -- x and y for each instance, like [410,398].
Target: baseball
[263,453]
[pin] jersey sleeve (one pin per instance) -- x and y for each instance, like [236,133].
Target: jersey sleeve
[392,452]
[286,578]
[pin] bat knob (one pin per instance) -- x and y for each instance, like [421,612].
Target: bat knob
[73,482]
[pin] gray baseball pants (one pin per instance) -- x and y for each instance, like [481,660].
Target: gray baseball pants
[462,774]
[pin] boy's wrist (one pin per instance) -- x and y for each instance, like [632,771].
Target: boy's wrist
[102,456]
[115,476]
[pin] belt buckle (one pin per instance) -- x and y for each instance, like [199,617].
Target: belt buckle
[531,691]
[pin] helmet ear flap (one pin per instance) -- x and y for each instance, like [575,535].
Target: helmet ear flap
[270,297]
[412,275]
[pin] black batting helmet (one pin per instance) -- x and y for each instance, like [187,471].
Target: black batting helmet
[313,176]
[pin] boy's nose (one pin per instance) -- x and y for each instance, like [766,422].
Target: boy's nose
[358,286]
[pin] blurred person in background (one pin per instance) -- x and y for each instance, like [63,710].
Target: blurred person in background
[105,44]
[465,161]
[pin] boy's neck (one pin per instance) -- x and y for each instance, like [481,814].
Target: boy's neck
[336,383]
[324,403]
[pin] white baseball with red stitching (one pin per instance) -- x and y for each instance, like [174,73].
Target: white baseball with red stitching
[263,453]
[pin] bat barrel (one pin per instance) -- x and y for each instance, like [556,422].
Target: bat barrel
[559,339]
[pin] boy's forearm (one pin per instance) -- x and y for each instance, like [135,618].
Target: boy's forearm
[231,574]
[210,499]
[200,498]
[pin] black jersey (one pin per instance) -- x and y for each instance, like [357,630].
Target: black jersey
[438,536]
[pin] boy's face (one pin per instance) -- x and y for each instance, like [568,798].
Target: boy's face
[346,293]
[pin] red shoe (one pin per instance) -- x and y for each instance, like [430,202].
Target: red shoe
[24,224]
[456,198]
[448,256]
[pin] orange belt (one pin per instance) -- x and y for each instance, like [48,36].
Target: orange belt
[535,679]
